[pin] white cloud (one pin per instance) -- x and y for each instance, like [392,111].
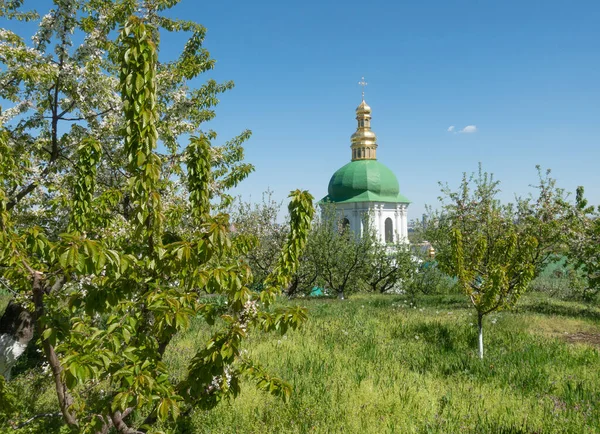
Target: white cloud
[469,129]
[451,128]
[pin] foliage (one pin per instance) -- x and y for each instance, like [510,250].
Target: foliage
[561,280]
[428,279]
[340,257]
[544,216]
[584,243]
[389,266]
[112,255]
[307,275]
[259,221]
[8,401]
[495,250]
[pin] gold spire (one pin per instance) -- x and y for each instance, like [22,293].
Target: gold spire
[363,141]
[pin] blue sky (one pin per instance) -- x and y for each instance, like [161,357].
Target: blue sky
[525,73]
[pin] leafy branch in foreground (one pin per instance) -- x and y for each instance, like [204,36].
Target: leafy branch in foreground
[107,302]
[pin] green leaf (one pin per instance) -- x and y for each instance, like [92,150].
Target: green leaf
[163,410]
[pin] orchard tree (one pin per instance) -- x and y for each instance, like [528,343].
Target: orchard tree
[495,250]
[545,216]
[260,220]
[389,265]
[584,243]
[109,245]
[340,256]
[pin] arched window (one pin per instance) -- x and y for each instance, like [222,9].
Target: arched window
[358,153]
[389,230]
[344,226]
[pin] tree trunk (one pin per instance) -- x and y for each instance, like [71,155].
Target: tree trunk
[341,295]
[64,398]
[16,330]
[480,325]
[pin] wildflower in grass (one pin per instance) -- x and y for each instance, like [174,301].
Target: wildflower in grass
[417,337]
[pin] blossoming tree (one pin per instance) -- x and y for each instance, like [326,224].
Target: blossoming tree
[496,249]
[107,244]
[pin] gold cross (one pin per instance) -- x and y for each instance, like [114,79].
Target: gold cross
[363,83]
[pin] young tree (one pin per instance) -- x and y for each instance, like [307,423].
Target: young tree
[340,256]
[495,250]
[109,283]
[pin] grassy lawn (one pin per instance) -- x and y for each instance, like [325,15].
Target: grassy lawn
[375,364]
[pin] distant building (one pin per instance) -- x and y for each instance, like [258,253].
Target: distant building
[365,187]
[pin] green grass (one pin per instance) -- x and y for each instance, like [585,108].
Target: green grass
[375,364]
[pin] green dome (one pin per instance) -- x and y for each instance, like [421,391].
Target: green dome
[364,181]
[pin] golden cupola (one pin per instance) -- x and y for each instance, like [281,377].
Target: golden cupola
[363,141]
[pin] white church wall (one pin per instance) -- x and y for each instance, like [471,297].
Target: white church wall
[378,212]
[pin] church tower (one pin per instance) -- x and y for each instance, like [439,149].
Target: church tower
[366,189]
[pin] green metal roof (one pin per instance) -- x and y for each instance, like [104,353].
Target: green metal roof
[364,181]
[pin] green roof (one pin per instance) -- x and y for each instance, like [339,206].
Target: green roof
[364,181]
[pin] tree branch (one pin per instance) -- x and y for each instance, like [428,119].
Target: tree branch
[64,398]
[79,118]
[121,427]
[37,416]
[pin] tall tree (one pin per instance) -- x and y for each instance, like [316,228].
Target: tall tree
[67,112]
[113,271]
